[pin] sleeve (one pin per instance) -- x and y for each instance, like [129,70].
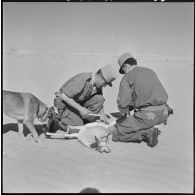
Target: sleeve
[74,86]
[124,100]
[100,91]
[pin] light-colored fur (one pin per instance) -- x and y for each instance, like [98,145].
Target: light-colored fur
[92,135]
[24,107]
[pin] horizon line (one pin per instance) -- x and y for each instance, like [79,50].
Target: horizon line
[25,53]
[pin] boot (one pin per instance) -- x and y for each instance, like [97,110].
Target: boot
[150,136]
[170,110]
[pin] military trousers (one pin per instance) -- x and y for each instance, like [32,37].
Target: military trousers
[70,116]
[130,128]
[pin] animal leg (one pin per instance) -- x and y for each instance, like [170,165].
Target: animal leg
[64,135]
[75,127]
[29,124]
[71,128]
[72,135]
[29,113]
[21,129]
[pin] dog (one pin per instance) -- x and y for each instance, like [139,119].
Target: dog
[92,135]
[25,108]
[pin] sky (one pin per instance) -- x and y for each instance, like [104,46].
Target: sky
[164,29]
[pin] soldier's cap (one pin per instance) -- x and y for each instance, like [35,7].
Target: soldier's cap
[109,74]
[122,59]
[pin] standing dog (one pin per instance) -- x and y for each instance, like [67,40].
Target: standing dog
[25,107]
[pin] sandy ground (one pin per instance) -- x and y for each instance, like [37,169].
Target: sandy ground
[63,166]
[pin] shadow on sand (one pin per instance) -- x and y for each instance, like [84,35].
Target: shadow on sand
[14,127]
[90,190]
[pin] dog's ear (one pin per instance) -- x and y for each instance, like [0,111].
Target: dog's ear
[95,145]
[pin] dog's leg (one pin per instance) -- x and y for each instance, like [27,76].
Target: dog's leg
[60,135]
[75,127]
[72,135]
[21,129]
[29,124]
[78,128]
[29,119]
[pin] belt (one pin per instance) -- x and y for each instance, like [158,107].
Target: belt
[153,108]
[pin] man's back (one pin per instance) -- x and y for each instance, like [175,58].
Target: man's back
[146,87]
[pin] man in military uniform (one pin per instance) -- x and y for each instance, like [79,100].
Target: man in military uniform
[140,90]
[82,95]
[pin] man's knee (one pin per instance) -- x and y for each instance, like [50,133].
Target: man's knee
[95,104]
[126,137]
[100,99]
[127,125]
[72,119]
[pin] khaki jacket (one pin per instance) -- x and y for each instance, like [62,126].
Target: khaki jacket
[140,88]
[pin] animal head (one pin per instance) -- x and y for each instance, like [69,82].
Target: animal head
[45,112]
[102,146]
[52,123]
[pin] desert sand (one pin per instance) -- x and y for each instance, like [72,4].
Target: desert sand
[66,166]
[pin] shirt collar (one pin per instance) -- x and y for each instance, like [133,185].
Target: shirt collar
[132,68]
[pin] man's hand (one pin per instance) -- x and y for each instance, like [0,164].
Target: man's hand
[84,112]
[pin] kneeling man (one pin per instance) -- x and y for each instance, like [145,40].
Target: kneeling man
[82,95]
[140,90]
